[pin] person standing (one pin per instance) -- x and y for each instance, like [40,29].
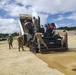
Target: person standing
[10,40]
[35,24]
[20,43]
[38,36]
[65,38]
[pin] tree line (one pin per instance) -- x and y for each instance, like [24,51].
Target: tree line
[6,34]
[67,28]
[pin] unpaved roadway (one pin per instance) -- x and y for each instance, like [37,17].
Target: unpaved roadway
[13,62]
[63,61]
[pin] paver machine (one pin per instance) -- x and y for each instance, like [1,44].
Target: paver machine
[52,40]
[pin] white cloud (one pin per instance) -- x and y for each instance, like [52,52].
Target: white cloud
[51,6]
[36,6]
[48,6]
[43,18]
[63,25]
[73,16]
[27,2]
[59,18]
[15,10]
[9,25]
[68,5]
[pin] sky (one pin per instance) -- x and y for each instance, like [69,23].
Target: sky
[60,12]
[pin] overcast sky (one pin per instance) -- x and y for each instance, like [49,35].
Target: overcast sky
[61,12]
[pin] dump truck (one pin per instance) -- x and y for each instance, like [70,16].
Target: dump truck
[23,31]
[27,32]
[52,40]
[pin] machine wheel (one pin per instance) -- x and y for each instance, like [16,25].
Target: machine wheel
[33,50]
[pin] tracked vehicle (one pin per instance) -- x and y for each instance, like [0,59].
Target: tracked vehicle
[52,40]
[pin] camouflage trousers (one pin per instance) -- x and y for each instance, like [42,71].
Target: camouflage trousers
[10,45]
[20,45]
[65,42]
[41,42]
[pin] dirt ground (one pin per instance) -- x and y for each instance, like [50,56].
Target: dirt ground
[13,62]
[63,61]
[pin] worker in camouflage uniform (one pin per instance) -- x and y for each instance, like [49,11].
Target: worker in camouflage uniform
[20,43]
[35,24]
[10,40]
[38,36]
[65,38]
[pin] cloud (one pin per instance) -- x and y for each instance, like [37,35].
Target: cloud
[14,10]
[9,25]
[36,8]
[73,16]
[48,6]
[43,18]
[60,17]
[52,6]
[63,25]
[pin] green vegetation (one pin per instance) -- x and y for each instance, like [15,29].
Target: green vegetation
[67,28]
[1,34]
[15,34]
[5,35]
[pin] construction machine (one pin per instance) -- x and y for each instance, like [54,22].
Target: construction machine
[52,40]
